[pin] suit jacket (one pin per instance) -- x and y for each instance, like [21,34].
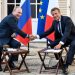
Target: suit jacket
[68,30]
[8,26]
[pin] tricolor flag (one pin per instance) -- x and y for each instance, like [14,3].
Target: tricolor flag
[44,18]
[25,21]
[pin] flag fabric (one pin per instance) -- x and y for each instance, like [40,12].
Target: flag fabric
[24,22]
[44,18]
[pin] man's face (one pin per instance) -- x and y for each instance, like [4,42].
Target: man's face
[18,13]
[56,15]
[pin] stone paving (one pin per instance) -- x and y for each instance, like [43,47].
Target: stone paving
[34,63]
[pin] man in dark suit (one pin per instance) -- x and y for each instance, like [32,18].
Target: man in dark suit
[64,35]
[8,26]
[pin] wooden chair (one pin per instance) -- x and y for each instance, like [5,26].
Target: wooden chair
[65,48]
[45,53]
[6,53]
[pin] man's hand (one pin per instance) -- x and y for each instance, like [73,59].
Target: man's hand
[32,37]
[58,46]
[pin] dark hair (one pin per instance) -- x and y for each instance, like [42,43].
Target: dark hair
[55,8]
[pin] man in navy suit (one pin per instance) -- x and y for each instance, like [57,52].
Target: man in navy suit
[64,35]
[8,26]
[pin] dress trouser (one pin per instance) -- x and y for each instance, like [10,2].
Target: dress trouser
[14,44]
[70,53]
[0,54]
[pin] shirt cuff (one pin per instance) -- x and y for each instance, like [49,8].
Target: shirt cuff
[62,43]
[27,36]
[38,37]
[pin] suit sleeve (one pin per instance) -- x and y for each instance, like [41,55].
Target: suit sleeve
[67,31]
[49,31]
[13,24]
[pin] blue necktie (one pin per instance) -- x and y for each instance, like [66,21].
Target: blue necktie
[60,28]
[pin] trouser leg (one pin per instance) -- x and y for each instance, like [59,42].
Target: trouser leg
[0,55]
[71,53]
[1,48]
[14,44]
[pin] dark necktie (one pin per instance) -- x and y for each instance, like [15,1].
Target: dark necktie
[60,28]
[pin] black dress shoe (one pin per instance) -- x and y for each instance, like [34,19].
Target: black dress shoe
[65,70]
[12,66]
[0,68]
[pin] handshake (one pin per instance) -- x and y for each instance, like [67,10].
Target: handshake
[32,37]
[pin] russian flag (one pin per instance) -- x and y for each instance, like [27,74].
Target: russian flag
[24,22]
[44,18]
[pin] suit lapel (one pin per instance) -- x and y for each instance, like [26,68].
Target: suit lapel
[62,23]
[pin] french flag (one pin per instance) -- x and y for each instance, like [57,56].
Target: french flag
[24,22]
[44,18]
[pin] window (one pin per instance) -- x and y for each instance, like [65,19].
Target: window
[11,4]
[10,8]
[33,3]
[34,8]
[10,1]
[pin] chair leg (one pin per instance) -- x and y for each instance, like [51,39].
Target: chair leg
[23,61]
[65,56]
[23,57]
[7,65]
[42,59]
[6,61]
[59,62]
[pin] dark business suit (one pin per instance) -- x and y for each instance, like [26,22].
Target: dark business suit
[8,26]
[68,37]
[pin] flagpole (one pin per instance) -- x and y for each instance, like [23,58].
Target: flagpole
[28,46]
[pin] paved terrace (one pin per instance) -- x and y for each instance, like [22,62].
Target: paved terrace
[33,62]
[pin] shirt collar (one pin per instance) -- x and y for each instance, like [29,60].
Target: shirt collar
[60,19]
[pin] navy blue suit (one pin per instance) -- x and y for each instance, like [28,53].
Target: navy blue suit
[68,37]
[8,26]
